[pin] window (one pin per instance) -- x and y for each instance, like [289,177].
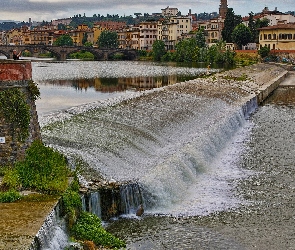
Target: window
[274,36]
[269,37]
[264,36]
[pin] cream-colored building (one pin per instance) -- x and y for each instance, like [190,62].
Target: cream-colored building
[148,33]
[278,37]
[169,11]
[171,30]
[214,28]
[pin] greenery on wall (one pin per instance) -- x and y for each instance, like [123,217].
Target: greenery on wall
[15,111]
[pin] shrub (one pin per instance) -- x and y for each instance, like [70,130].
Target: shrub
[88,227]
[43,169]
[9,196]
[11,180]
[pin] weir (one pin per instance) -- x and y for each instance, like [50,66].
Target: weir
[161,146]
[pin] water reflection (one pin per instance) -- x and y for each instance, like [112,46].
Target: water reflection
[108,85]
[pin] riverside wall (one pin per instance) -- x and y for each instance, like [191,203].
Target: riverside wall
[16,74]
[265,90]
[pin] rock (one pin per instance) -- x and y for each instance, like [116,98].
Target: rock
[140,210]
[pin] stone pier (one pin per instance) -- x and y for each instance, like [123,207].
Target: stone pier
[16,75]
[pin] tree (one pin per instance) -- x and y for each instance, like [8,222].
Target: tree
[64,40]
[158,50]
[187,50]
[264,51]
[108,39]
[252,27]
[85,38]
[230,22]
[200,38]
[241,35]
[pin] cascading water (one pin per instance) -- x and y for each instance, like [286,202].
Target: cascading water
[168,142]
[53,234]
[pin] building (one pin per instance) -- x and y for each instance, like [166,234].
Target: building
[223,8]
[148,33]
[42,35]
[111,25]
[169,11]
[78,34]
[129,38]
[213,31]
[173,29]
[278,37]
[64,21]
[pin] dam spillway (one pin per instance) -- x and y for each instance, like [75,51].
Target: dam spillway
[170,140]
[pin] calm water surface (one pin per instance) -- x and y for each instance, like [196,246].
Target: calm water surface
[72,83]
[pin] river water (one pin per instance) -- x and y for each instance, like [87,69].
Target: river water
[213,178]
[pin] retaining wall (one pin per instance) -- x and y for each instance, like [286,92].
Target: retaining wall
[16,74]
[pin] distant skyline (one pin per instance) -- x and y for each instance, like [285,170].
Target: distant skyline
[47,10]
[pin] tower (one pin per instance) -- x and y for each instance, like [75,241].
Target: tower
[222,8]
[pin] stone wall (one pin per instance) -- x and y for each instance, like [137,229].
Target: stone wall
[16,74]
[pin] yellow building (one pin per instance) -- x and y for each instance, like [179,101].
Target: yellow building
[278,37]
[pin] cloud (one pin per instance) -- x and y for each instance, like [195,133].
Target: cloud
[52,9]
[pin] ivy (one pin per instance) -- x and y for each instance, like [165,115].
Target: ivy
[16,111]
[33,90]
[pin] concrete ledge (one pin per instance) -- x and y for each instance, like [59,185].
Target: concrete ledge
[268,88]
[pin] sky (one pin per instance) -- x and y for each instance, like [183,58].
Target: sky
[47,10]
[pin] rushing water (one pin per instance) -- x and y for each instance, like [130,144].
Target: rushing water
[188,152]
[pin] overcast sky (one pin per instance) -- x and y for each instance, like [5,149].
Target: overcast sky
[39,10]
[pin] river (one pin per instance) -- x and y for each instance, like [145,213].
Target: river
[213,178]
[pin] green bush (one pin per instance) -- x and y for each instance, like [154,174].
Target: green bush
[43,169]
[88,227]
[16,111]
[82,55]
[11,180]
[71,201]
[9,196]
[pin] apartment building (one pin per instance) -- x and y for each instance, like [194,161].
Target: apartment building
[213,31]
[129,38]
[278,37]
[78,34]
[171,30]
[42,35]
[169,11]
[148,33]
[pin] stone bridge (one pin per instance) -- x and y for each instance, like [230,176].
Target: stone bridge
[61,52]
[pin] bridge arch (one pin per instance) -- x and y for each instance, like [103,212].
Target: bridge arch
[5,53]
[128,54]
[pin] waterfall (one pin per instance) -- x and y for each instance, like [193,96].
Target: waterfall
[91,202]
[131,198]
[53,234]
[173,146]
